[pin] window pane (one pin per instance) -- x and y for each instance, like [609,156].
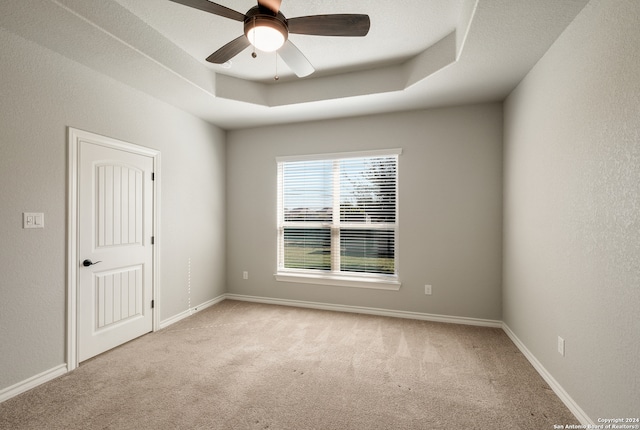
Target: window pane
[307,248]
[338,215]
[369,251]
[307,191]
[368,190]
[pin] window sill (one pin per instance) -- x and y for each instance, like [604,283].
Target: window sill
[339,281]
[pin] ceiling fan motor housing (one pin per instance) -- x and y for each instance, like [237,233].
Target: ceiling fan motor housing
[262,17]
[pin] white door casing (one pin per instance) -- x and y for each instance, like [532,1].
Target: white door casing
[112,215]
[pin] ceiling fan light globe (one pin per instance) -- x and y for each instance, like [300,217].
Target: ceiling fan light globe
[266,38]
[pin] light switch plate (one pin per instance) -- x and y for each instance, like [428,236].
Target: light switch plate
[32,220]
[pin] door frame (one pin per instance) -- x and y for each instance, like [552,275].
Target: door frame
[75,138]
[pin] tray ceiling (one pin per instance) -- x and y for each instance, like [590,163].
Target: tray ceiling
[418,53]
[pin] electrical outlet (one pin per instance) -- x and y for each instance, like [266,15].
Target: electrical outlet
[561,346]
[245,275]
[427,290]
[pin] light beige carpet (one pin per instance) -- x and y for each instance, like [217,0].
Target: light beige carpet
[243,365]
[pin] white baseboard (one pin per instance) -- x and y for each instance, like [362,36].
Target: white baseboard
[555,386]
[369,311]
[182,315]
[32,382]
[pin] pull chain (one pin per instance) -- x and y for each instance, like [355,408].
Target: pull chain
[254,54]
[276,77]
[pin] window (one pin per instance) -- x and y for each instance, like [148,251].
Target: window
[337,219]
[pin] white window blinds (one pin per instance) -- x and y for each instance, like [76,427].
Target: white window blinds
[338,215]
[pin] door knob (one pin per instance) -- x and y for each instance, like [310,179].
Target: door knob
[87,263]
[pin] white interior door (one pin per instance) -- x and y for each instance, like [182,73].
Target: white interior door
[115,255]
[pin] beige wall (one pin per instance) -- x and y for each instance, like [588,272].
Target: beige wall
[572,209]
[450,208]
[42,94]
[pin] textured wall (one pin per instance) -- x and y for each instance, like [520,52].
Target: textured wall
[42,94]
[450,207]
[572,209]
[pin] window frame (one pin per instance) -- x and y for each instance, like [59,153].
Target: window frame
[336,277]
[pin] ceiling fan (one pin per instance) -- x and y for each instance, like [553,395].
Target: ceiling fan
[267,29]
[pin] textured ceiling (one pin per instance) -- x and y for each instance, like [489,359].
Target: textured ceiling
[418,54]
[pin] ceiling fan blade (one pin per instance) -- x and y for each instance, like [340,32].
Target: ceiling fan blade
[295,59]
[272,5]
[213,8]
[331,25]
[229,50]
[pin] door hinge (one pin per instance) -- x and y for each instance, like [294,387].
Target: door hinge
[153,176]
[153,240]
[152,304]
